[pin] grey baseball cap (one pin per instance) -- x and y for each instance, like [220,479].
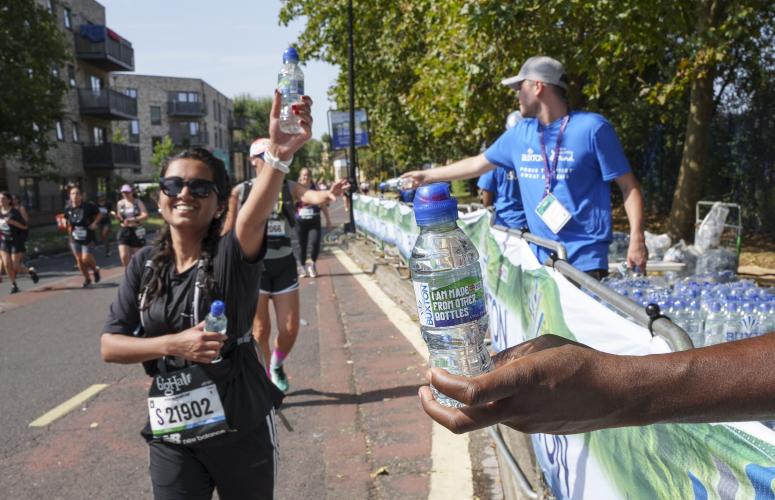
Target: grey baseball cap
[542,69]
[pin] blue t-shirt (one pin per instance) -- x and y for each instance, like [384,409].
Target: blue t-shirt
[591,156]
[509,211]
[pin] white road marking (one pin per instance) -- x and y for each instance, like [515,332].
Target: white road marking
[68,406]
[451,475]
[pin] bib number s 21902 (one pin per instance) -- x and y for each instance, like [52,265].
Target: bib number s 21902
[185,407]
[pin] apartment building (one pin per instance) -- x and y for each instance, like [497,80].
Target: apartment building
[188,110]
[85,153]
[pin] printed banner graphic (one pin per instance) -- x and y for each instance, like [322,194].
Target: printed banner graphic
[524,300]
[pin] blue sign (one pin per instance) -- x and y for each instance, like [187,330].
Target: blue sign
[339,128]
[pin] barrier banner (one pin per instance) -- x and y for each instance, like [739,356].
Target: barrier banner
[526,299]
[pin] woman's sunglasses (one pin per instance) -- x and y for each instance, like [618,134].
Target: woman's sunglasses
[199,188]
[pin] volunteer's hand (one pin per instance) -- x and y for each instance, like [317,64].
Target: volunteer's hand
[197,345]
[637,253]
[283,145]
[416,177]
[548,384]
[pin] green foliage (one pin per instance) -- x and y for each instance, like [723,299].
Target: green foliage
[161,152]
[256,111]
[31,46]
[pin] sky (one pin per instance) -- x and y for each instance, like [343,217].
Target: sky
[237,47]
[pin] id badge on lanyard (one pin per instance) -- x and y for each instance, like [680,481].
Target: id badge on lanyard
[549,209]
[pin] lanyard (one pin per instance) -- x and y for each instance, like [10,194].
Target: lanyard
[549,172]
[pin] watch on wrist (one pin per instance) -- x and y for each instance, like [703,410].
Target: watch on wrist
[277,163]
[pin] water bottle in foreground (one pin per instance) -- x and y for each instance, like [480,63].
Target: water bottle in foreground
[290,83]
[715,324]
[448,286]
[216,321]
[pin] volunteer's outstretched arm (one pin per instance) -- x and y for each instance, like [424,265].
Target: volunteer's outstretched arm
[467,168]
[637,254]
[556,386]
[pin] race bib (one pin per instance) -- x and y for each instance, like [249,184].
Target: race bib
[307,213]
[5,227]
[140,232]
[80,233]
[103,210]
[554,215]
[275,228]
[185,408]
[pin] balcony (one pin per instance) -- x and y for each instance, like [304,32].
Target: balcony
[108,104]
[103,48]
[111,155]
[180,108]
[182,137]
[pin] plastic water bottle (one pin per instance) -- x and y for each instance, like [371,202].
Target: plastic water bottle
[693,322]
[750,324]
[733,328]
[216,321]
[715,324]
[290,83]
[448,286]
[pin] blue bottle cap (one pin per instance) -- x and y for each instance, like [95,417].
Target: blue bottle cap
[434,205]
[290,55]
[217,308]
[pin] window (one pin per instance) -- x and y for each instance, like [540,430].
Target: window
[96,83]
[76,133]
[50,6]
[28,187]
[187,96]
[131,92]
[134,131]
[60,130]
[71,76]
[193,128]
[155,115]
[68,20]
[98,135]
[55,70]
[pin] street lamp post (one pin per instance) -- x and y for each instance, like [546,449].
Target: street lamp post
[353,163]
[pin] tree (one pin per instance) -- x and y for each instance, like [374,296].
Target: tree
[32,52]
[256,111]
[162,151]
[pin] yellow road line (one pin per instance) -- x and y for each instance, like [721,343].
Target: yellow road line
[68,406]
[451,475]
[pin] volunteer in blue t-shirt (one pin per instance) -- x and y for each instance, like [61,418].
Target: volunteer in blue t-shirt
[564,162]
[506,200]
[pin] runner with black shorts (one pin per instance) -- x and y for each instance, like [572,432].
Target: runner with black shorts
[83,218]
[279,281]
[195,406]
[12,226]
[19,256]
[308,227]
[131,213]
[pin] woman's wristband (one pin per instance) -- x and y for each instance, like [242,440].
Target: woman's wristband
[277,163]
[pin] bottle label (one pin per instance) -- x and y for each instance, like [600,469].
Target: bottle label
[288,86]
[457,303]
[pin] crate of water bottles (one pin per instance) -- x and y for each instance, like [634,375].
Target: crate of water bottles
[711,308]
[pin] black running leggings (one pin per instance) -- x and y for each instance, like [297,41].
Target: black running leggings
[308,231]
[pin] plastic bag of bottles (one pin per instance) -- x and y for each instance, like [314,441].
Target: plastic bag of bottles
[717,260]
[657,244]
[709,232]
[683,253]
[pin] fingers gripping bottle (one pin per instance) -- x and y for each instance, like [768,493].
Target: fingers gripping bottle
[448,286]
[216,321]
[290,83]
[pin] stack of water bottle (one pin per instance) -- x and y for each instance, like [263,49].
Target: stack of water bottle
[711,309]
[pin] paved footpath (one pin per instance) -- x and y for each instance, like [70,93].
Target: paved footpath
[351,425]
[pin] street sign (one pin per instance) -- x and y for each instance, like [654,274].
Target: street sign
[339,128]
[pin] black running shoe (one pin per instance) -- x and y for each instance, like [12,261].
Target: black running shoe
[97,276]
[34,275]
[86,284]
[14,288]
